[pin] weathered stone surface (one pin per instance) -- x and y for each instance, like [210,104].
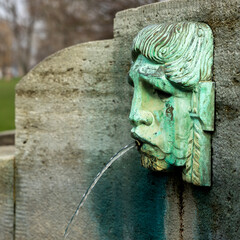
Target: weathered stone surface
[7,192]
[62,123]
[72,115]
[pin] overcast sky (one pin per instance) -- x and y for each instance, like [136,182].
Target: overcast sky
[20,8]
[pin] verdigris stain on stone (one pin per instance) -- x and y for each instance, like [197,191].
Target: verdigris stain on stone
[173,104]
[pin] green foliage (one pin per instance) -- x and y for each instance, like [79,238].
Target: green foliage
[7,96]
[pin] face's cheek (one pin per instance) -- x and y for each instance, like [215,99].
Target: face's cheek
[160,135]
[164,125]
[181,129]
[155,132]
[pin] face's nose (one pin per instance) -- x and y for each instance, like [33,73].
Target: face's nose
[140,117]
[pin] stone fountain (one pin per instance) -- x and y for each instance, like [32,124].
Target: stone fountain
[72,115]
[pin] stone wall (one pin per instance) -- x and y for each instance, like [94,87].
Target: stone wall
[7,193]
[68,112]
[72,115]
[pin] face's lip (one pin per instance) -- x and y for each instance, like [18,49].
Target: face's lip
[138,137]
[144,142]
[141,139]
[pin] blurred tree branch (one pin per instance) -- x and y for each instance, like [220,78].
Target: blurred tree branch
[22,28]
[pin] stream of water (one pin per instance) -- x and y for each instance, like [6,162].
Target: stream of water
[96,179]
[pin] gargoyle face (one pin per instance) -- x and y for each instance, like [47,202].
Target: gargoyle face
[173,104]
[159,115]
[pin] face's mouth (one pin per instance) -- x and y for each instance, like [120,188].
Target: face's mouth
[138,144]
[138,138]
[151,155]
[140,141]
[147,148]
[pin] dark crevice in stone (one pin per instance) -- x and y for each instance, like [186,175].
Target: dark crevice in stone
[14,198]
[181,208]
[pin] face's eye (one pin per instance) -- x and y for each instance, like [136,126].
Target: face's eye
[162,95]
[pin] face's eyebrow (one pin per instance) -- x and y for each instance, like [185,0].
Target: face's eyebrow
[158,81]
[153,74]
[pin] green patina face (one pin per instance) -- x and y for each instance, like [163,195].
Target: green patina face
[160,115]
[173,103]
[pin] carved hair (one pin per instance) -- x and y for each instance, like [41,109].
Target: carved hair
[185,50]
